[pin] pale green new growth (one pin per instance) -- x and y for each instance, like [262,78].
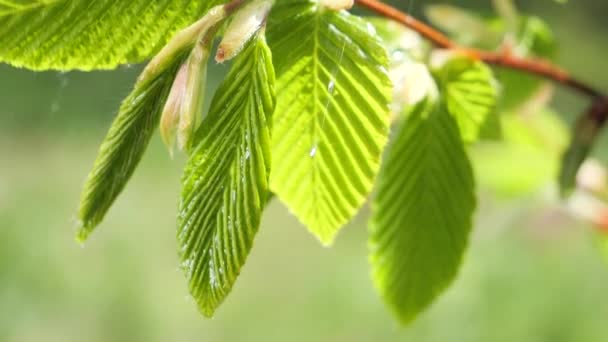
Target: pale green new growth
[90,34]
[194,97]
[470,95]
[226,179]
[245,23]
[332,116]
[422,212]
[124,146]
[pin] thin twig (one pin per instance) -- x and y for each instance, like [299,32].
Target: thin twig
[532,66]
[590,122]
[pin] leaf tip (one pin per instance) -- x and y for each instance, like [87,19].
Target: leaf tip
[326,239]
[82,233]
[207,311]
[205,304]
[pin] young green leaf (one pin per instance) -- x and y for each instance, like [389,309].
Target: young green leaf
[332,116]
[584,137]
[464,26]
[124,146]
[422,212]
[86,35]
[225,185]
[470,96]
[534,39]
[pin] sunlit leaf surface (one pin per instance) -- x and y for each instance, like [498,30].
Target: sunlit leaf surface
[332,116]
[225,184]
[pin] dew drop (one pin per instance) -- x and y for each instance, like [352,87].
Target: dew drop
[313,151]
[331,86]
[371,29]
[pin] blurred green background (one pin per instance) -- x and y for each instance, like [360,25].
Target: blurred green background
[531,274]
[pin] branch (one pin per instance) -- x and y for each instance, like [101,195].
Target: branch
[590,122]
[532,66]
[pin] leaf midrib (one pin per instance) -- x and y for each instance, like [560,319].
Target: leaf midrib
[315,131]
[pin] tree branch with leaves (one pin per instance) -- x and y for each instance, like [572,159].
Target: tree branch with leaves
[304,115]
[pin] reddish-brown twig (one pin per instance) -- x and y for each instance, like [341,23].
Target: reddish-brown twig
[532,66]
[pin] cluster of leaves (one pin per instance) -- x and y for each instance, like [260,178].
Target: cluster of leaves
[304,113]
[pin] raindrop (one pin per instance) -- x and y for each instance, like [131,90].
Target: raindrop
[313,151]
[331,86]
[371,29]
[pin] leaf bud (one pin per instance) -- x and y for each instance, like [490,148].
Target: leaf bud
[337,5]
[246,22]
[182,41]
[182,111]
[171,112]
[193,102]
[412,83]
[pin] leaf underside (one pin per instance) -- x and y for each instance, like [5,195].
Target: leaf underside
[87,35]
[123,147]
[332,116]
[225,185]
[422,212]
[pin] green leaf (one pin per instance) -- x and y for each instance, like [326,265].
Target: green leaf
[225,184]
[124,146]
[402,43]
[422,212]
[470,95]
[534,39]
[584,136]
[86,35]
[464,26]
[332,115]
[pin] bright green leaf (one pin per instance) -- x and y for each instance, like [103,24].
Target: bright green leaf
[124,146]
[226,179]
[422,212]
[86,34]
[470,95]
[332,116]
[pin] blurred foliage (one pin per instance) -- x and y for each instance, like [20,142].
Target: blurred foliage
[531,274]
